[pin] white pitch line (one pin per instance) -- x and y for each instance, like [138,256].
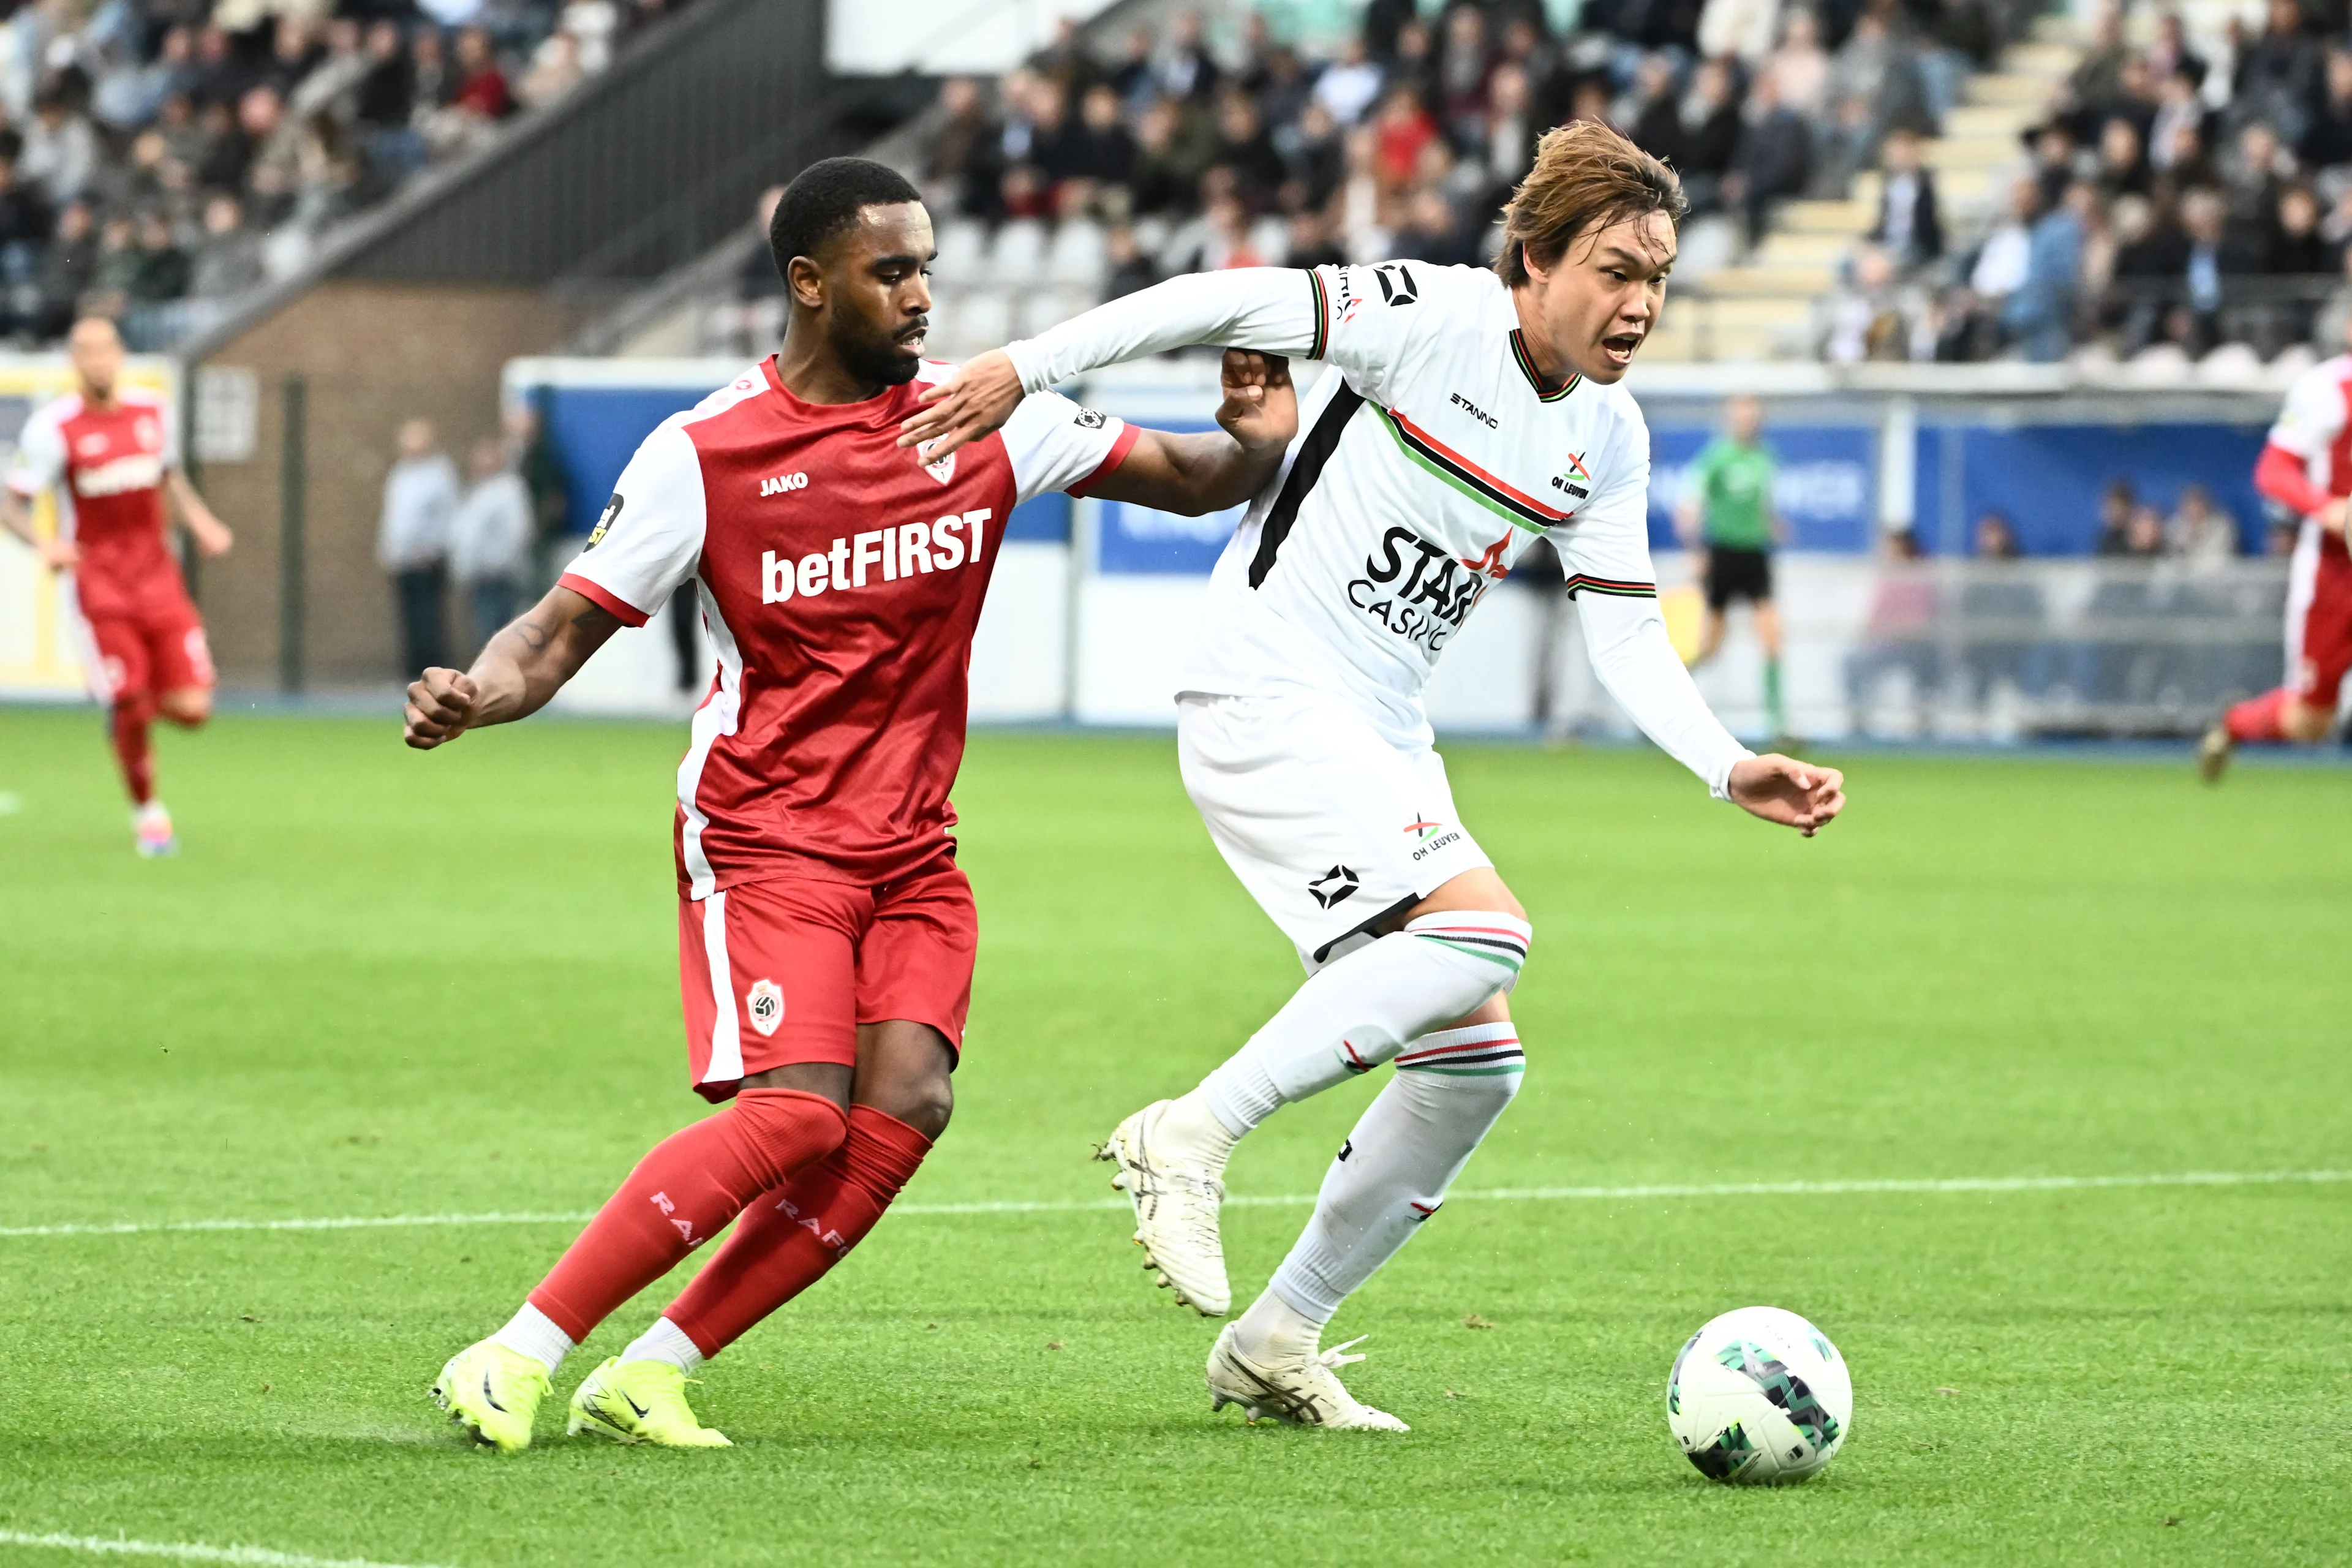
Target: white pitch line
[183,1550]
[1302,1200]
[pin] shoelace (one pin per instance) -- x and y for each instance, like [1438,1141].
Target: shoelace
[1337,1356]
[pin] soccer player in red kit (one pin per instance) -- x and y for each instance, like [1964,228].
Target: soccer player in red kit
[825,934]
[109,455]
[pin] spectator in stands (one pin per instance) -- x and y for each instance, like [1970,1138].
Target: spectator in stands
[1710,134]
[1995,539]
[1130,266]
[1102,151]
[420,496]
[1173,150]
[2123,167]
[1737,29]
[1910,225]
[1244,147]
[1404,129]
[1798,70]
[1463,67]
[490,540]
[1350,85]
[1313,159]
[2180,108]
[2201,531]
[1867,320]
[229,262]
[1774,159]
[1358,210]
[2280,79]
[1514,126]
[2116,504]
[482,90]
[2040,314]
[1182,68]
[2328,140]
[1655,115]
[555,69]
[69,266]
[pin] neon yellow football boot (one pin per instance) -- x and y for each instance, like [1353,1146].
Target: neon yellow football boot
[493,1393]
[640,1402]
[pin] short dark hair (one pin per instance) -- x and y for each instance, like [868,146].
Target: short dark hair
[825,200]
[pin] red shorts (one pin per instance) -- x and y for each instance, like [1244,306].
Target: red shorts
[145,655]
[781,972]
[2319,622]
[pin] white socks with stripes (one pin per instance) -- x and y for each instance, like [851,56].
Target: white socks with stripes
[1356,1013]
[1392,1174]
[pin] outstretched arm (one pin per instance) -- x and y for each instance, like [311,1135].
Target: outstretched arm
[1636,662]
[1271,309]
[1190,475]
[524,665]
[212,537]
[56,555]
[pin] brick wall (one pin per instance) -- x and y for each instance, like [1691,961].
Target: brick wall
[372,354]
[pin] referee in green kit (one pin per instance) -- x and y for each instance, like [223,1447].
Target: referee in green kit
[1727,513]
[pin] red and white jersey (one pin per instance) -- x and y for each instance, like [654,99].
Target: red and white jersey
[841,580]
[107,466]
[2316,423]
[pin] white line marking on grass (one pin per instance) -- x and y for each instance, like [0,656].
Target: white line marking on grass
[1300,1200]
[184,1551]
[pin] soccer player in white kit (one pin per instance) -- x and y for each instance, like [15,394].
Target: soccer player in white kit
[1468,412]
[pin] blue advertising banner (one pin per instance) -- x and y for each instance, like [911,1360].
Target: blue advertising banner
[1136,539]
[1826,491]
[2048,480]
[597,429]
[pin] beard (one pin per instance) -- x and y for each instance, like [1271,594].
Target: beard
[879,360]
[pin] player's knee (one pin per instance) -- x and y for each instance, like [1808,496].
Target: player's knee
[188,707]
[133,709]
[2303,722]
[924,1101]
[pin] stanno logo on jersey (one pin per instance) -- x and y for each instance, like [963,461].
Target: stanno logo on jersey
[1333,887]
[604,523]
[1424,601]
[765,1004]
[778,484]
[1472,409]
[1396,283]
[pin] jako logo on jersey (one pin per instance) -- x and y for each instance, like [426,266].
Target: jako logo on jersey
[765,1004]
[1472,409]
[777,484]
[900,551]
[1434,598]
[142,472]
[1333,887]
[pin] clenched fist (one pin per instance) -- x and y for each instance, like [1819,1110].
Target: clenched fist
[440,705]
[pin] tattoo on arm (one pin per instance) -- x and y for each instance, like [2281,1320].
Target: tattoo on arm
[531,634]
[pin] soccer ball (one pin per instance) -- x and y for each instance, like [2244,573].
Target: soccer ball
[1759,1396]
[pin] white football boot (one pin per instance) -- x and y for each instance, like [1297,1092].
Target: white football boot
[1303,1392]
[1175,1190]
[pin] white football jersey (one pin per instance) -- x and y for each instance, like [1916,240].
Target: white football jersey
[1428,461]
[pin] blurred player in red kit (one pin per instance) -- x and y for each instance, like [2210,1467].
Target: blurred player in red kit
[2306,466]
[826,934]
[110,454]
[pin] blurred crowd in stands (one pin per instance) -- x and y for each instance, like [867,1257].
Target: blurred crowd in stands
[1399,130]
[2173,202]
[159,156]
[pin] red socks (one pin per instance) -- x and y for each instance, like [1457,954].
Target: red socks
[682,1194]
[2257,718]
[791,1236]
[129,728]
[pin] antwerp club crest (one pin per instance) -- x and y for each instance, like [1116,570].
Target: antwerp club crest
[764,1003]
[943,469]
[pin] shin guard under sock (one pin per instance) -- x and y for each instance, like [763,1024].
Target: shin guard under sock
[789,1238]
[1395,1167]
[683,1194]
[1356,1013]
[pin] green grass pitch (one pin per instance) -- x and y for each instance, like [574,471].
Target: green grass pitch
[381,984]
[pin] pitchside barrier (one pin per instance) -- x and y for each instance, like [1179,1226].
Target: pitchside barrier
[42,643]
[1095,603]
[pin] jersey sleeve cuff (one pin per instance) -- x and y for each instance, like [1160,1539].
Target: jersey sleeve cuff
[1127,436]
[620,609]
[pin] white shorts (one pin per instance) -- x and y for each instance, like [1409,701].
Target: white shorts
[1332,829]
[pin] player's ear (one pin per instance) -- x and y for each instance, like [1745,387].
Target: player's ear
[804,280]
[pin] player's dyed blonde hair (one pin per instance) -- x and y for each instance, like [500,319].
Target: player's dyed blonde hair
[1586,178]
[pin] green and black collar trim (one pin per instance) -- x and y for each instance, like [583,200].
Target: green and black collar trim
[1527,369]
